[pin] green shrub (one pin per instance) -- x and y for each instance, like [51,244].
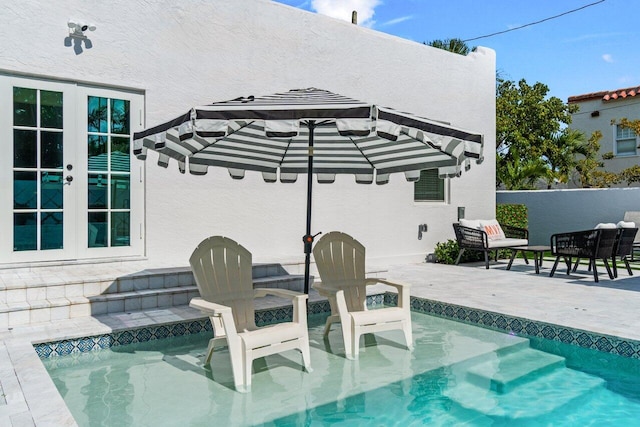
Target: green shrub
[514,215]
[447,252]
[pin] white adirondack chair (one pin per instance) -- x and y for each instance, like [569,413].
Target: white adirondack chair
[222,269]
[340,260]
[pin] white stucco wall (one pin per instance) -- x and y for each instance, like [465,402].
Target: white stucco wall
[188,53]
[558,211]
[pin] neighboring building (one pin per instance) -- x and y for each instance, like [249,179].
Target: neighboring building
[602,111]
[69,104]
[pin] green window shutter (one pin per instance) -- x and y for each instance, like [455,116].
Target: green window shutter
[429,187]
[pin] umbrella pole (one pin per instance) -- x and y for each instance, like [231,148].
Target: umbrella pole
[308,238]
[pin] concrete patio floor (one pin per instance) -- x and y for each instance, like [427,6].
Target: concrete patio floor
[610,307]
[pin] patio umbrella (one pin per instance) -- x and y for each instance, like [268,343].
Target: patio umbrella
[309,131]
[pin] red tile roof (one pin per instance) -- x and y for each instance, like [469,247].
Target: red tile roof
[607,95]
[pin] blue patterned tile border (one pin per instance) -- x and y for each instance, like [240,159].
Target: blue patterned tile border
[523,327]
[155,332]
[513,325]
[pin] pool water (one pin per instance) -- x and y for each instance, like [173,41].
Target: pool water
[457,374]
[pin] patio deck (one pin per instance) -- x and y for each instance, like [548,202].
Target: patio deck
[610,307]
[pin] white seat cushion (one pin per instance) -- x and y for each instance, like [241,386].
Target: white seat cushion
[508,242]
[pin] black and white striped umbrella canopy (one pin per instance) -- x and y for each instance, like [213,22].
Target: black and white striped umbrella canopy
[270,134]
[291,133]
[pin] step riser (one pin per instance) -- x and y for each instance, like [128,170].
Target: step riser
[29,305]
[502,388]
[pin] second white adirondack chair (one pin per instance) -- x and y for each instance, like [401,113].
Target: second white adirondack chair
[340,260]
[223,274]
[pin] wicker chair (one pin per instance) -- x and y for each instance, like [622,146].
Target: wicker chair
[590,244]
[634,216]
[624,248]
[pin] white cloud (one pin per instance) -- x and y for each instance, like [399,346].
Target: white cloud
[342,9]
[607,57]
[396,21]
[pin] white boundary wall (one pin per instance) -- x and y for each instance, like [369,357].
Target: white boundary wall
[557,211]
[194,52]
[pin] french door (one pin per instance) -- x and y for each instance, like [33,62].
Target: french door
[69,188]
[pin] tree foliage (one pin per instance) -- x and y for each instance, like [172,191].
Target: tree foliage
[529,133]
[534,142]
[452,45]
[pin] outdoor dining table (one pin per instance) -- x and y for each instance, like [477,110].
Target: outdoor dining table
[537,251]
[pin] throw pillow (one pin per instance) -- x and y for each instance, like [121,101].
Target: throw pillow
[493,229]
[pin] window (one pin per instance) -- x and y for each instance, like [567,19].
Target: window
[430,187]
[626,141]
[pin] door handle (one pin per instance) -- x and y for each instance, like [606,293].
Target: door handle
[68,178]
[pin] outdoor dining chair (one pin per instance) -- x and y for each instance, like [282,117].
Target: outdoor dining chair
[596,244]
[623,248]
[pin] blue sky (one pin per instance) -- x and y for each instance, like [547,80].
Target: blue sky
[589,50]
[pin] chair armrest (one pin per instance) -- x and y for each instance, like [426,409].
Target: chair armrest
[222,312]
[324,290]
[298,299]
[397,285]
[403,290]
[515,232]
[471,238]
[209,308]
[283,293]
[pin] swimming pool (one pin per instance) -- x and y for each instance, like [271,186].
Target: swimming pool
[458,373]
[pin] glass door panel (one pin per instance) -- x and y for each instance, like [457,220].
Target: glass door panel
[108,163]
[114,198]
[38,157]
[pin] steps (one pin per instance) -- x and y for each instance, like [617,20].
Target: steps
[36,295]
[513,369]
[521,386]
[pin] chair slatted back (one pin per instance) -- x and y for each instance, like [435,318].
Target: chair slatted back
[624,241]
[223,272]
[340,260]
[606,243]
[633,216]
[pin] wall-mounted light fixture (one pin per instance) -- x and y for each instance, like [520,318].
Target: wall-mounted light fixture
[460,212]
[422,228]
[595,113]
[78,29]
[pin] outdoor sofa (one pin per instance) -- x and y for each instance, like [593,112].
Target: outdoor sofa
[487,235]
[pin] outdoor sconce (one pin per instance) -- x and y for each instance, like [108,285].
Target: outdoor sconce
[595,113]
[77,36]
[460,212]
[422,228]
[77,29]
